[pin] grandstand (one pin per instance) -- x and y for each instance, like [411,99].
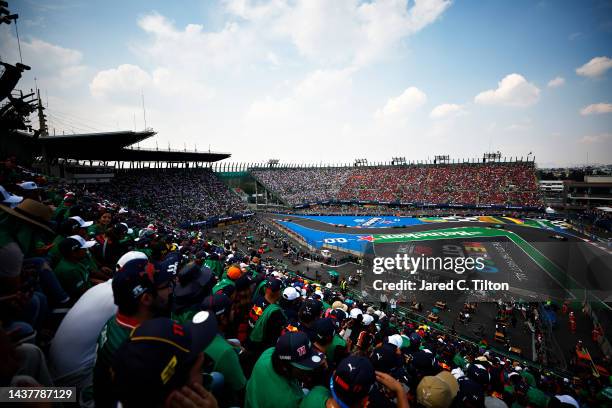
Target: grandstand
[499,183]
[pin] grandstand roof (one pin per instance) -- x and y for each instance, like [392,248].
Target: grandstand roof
[113,146]
[165,155]
[80,143]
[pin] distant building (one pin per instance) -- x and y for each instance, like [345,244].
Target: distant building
[594,191]
[553,192]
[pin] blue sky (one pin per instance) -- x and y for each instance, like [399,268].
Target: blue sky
[311,81]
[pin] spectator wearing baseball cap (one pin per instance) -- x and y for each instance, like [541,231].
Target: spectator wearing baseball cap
[310,310]
[353,380]
[29,189]
[194,284]
[437,391]
[323,332]
[290,303]
[141,293]
[160,358]
[266,318]
[66,228]
[9,199]
[232,274]
[470,394]
[275,381]
[224,355]
[76,271]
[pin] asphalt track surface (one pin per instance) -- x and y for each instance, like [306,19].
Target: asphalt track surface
[584,265]
[575,267]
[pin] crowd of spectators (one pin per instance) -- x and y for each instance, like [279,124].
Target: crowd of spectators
[484,183]
[173,195]
[304,185]
[144,314]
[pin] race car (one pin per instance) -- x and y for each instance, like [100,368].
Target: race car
[558,237]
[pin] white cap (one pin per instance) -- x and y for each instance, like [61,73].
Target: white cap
[130,256]
[329,285]
[28,185]
[122,211]
[318,292]
[82,222]
[457,373]
[84,244]
[355,312]
[290,293]
[396,340]
[367,319]
[8,198]
[129,230]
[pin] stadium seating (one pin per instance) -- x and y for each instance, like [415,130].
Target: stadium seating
[172,195]
[484,183]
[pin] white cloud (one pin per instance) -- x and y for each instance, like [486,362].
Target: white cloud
[446,110]
[512,90]
[556,82]
[409,101]
[54,66]
[599,138]
[341,32]
[125,78]
[596,108]
[595,67]
[195,50]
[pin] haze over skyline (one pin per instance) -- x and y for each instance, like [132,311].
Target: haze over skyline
[313,80]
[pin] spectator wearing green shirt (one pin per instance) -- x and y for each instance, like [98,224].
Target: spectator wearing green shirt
[102,223]
[70,226]
[223,354]
[323,332]
[63,210]
[27,226]
[76,270]
[277,375]
[194,284]
[140,293]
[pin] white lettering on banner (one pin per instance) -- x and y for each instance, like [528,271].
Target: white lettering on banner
[429,234]
[371,221]
[335,240]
